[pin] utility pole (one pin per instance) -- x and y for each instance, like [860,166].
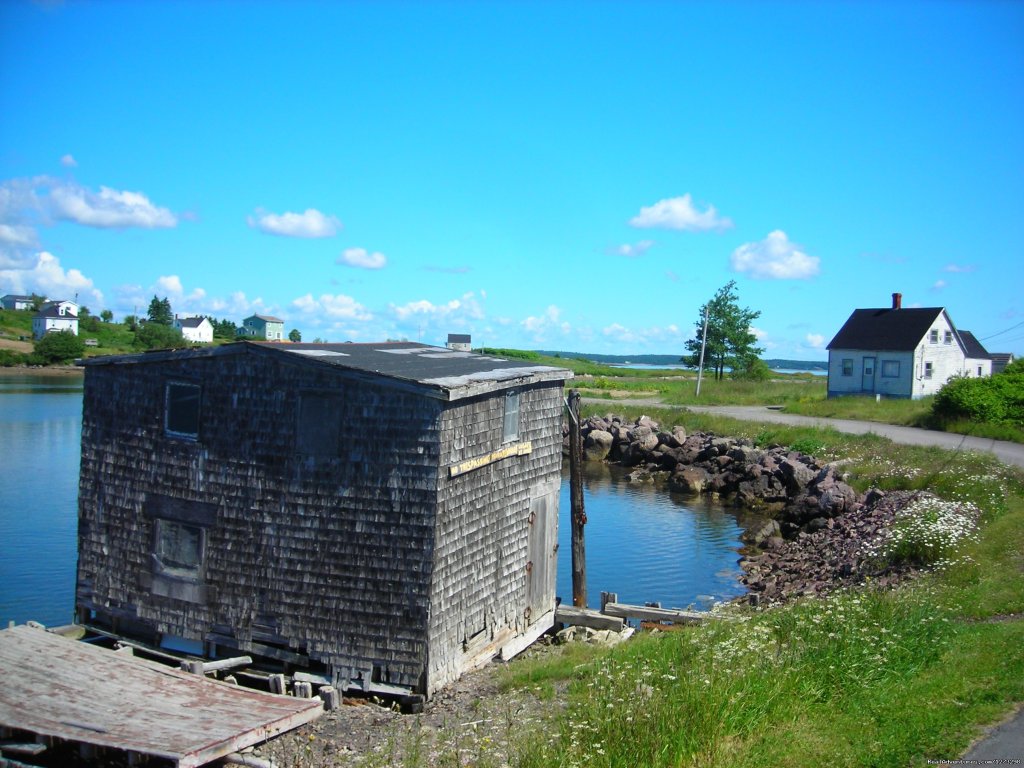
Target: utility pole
[578,516]
[703,343]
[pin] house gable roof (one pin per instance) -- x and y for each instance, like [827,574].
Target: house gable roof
[54,311]
[886,329]
[437,371]
[191,322]
[973,347]
[265,318]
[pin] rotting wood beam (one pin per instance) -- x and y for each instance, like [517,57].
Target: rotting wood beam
[585,617]
[645,613]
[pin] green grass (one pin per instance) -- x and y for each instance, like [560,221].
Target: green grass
[864,677]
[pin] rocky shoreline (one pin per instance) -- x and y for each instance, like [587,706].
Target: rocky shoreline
[820,533]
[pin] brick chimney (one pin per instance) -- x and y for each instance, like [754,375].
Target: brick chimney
[897,300]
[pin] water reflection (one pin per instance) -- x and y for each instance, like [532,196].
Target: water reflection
[648,544]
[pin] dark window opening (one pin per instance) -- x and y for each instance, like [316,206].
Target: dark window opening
[183,409]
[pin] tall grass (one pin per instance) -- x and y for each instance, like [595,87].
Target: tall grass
[858,678]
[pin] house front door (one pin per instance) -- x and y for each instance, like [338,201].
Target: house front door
[867,383]
[542,550]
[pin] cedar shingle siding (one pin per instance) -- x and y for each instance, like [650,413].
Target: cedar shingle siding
[320,503]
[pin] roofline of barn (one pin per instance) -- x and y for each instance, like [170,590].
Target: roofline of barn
[447,388]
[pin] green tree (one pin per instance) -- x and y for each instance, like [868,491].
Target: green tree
[223,329]
[160,312]
[107,316]
[295,335]
[157,336]
[132,321]
[730,342]
[58,347]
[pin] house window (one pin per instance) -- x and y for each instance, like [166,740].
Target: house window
[510,428]
[182,409]
[933,337]
[178,548]
[949,337]
[847,367]
[979,371]
[890,369]
[927,370]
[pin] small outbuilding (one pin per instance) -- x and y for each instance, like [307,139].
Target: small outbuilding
[900,352]
[383,515]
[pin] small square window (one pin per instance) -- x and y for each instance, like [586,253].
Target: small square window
[510,427]
[182,409]
[178,548]
[890,369]
[949,337]
[847,367]
[933,337]
[927,370]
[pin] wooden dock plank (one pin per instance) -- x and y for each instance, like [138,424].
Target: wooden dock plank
[646,613]
[77,692]
[584,617]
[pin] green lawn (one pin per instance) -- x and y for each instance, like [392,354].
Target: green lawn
[864,677]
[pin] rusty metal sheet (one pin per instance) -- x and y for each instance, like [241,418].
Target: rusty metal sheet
[77,692]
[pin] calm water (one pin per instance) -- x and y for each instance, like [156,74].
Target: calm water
[643,543]
[40,432]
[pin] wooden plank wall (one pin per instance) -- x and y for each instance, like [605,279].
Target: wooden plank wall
[330,556]
[479,585]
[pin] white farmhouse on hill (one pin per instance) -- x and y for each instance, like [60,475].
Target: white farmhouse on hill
[55,316]
[897,352]
[198,330]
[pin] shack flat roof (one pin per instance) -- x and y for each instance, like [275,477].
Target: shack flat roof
[78,692]
[453,374]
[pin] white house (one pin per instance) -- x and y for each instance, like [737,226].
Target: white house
[262,327]
[15,301]
[55,316]
[897,352]
[461,342]
[198,330]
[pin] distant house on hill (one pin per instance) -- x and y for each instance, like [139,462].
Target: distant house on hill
[384,515]
[460,341]
[264,327]
[55,316]
[15,301]
[198,330]
[897,352]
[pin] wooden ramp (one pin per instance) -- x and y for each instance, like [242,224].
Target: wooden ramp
[73,691]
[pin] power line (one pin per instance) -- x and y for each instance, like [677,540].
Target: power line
[1000,333]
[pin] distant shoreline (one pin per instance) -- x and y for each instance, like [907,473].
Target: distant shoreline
[50,370]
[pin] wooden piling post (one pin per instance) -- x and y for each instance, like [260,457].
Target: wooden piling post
[578,514]
[331,697]
[277,684]
[303,690]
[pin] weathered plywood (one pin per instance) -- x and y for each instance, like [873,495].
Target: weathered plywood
[77,692]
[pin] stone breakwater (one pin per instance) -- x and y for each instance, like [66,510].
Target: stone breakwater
[820,531]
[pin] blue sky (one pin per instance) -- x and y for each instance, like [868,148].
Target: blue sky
[576,176]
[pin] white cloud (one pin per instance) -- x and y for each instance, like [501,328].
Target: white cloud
[17,235]
[108,208]
[758,333]
[959,268]
[47,277]
[68,161]
[632,251]
[309,224]
[667,336]
[815,340]
[774,258]
[170,284]
[938,285]
[464,308]
[359,257]
[679,213]
[332,306]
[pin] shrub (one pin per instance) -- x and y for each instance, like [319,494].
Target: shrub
[59,347]
[997,399]
[156,336]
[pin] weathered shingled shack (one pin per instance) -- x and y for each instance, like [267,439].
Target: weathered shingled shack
[383,514]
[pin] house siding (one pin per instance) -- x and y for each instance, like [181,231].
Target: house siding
[484,530]
[329,557]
